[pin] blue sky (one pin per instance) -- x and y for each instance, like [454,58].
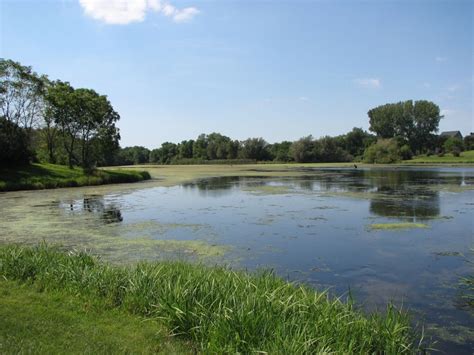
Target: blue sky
[275,69]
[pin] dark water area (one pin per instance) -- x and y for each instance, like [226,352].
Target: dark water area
[386,235]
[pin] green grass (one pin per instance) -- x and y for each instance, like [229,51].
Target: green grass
[219,310]
[391,226]
[466,157]
[50,176]
[57,323]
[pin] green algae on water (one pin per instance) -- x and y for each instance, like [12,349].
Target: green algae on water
[395,226]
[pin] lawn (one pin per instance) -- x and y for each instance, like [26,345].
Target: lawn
[466,157]
[57,323]
[47,176]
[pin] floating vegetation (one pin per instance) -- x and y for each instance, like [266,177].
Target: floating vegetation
[395,226]
[270,190]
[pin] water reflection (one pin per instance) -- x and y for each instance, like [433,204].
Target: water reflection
[94,204]
[407,194]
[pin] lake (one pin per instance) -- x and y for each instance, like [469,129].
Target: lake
[401,234]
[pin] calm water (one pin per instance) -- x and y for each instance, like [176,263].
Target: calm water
[316,228]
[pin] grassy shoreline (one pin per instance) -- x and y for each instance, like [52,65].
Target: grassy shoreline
[217,309]
[50,176]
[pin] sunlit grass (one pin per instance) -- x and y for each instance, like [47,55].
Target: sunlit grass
[466,157]
[48,176]
[220,310]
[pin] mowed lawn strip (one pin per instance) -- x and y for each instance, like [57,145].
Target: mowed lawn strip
[57,323]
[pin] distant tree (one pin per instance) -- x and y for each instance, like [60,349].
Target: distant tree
[302,150]
[357,140]
[185,149]
[384,151]
[412,123]
[469,142]
[200,147]
[454,146]
[165,154]
[133,155]
[255,148]
[328,149]
[281,151]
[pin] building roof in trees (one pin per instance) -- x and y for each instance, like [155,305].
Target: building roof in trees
[456,134]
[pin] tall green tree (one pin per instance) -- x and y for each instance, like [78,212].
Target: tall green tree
[409,122]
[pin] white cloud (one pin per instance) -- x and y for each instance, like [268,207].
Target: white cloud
[441,59]
[121,12]
[303,98]
[371,83]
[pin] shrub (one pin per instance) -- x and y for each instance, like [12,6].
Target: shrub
[384,151]
[454,146]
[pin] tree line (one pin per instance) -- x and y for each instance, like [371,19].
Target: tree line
[51,121]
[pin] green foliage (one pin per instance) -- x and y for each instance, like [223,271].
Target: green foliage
[454,146]
[85,119]
[14,144]
[413,123]
[133,156]
[255,148]
[469,142]
[384,151]
[281,151]
[220,310]
[406,152]
[50,176]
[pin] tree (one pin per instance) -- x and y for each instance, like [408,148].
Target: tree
[302,150]
[412,123]
[21,94]
[85,119]
[357,140]
[255,148]
[14,144]
[469,142]
[384,151]
[281,151]
[454,146]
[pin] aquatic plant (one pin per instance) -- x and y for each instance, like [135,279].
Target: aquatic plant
[388,226]
[219,309]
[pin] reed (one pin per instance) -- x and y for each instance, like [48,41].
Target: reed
[220,310]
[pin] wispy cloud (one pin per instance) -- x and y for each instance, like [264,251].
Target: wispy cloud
[122,12]
[454,87]
[371,83]
[441,59]
[303,98]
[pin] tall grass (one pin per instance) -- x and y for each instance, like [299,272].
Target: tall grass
[219,309]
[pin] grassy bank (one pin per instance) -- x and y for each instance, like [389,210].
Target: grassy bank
[217,309]
[466,157]
[57,323]
[50,176]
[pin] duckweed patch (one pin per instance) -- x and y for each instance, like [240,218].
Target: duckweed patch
[396,226]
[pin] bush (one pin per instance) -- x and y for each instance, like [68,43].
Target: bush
[406,152]
[384,151]
[454,146]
